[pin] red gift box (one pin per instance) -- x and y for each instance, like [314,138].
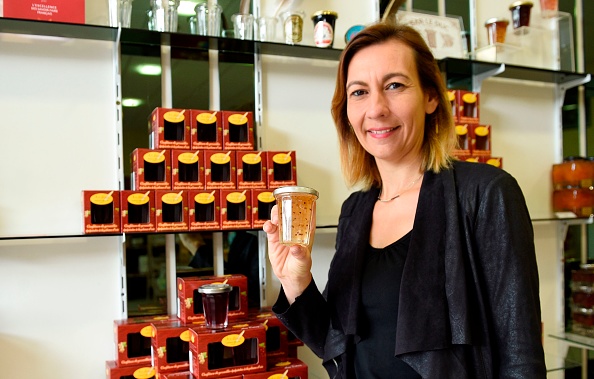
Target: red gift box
[282,168]
[138,211]
[101,212]
[204,210]
[238,130]
[151,169]
[113,371]
[189,300]
[170,347]
[237,349]
[236,209]
[453,97]
[287,368]
[171,211]
[219,169]
[71,11]
[187,169]
[251,169]
[481,140]
[277,342]
[468,107]
[463,144]
[206,130]
[262,202]
[169,128]
[132,338]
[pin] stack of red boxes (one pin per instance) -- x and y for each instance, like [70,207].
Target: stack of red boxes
[474,137]
[582,301]
[254,345]
[202,172]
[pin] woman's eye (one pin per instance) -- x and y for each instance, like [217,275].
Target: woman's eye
[394,86]
[358,92]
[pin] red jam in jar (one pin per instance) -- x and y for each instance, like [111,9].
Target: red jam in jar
[580,201]
[573,172]
[520,11]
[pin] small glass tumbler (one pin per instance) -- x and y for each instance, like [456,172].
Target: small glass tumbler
[520,11]
[293,26]
[164,13]
[124,13]
[215,303]
[208,19]
[243,26]
[496,30]
[266,28]
[295,214]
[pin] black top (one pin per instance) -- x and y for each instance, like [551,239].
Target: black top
[380,288]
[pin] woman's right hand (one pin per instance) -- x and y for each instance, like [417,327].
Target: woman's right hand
[291,264]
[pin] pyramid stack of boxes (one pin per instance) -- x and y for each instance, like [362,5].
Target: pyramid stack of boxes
[201,172]
[254,345]
[474,137]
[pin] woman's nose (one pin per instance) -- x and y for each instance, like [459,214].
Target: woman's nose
[378,105]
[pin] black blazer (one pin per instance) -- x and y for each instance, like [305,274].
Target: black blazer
[469,301]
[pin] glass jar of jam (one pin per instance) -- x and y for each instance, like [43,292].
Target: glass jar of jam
[580,201]
[520,11]
[324,22]
[573,172]
[496,30]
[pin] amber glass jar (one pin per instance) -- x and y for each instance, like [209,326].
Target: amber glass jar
[580,201]
[573,172]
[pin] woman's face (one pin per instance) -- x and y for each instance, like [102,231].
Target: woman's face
[385,102]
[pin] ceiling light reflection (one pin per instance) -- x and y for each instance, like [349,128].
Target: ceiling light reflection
[149,69]
[131,103]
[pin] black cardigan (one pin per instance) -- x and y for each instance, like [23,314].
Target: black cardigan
[469,301]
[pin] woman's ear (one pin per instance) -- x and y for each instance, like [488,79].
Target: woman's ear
[431,103]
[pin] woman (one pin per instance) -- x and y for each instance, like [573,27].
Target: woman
[435,273]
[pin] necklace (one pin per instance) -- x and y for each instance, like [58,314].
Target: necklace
[379,198]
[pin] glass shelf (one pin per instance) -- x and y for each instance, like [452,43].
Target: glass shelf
[575,340]
[461,72]
[154,38]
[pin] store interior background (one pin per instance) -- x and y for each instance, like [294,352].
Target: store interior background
[144,255]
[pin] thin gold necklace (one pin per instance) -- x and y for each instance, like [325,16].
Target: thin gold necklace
[379,198]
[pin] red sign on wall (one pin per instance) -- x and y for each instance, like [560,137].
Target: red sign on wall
[72,11]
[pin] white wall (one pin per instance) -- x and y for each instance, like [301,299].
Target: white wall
[59,296]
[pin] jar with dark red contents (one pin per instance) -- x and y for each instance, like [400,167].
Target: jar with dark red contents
[579,201]
[324,22]
[581,315]
[582,279]
[573,172]
[520,11]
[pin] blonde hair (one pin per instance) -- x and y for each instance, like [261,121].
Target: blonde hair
[358,166]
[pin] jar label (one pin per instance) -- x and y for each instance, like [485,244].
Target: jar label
[323,34]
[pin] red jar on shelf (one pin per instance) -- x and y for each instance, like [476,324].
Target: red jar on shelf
[583,299]
[573,172]
[583,316]
[580,201]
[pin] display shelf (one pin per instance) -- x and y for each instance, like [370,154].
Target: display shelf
[463,73]
[154,38]
[557,363]
[57,29]
[575,340]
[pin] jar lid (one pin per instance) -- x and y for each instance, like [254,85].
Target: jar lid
[215,288]
[324,13]
[295,189]
[494,20]
[516,4]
